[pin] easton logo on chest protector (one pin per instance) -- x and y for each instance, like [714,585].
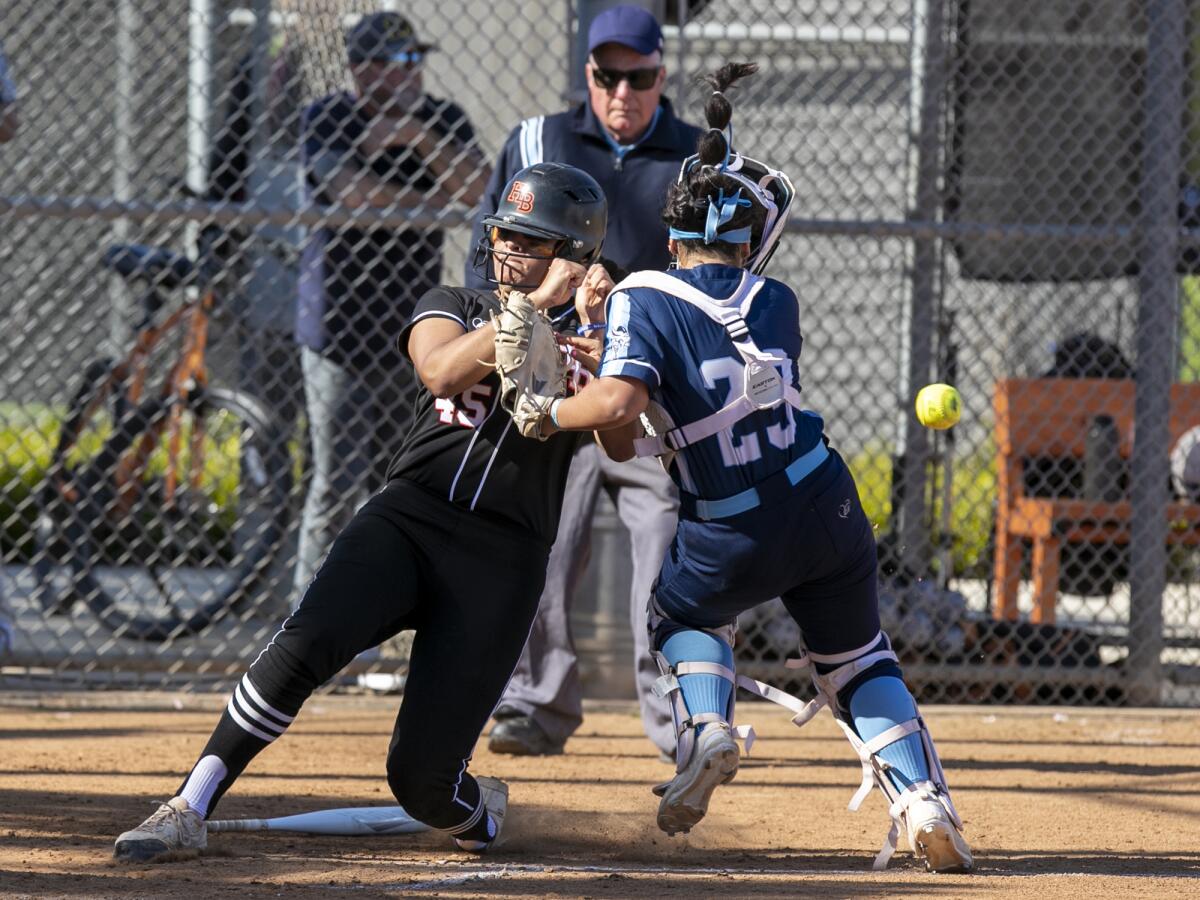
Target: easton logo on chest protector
[521,196]
[763,384]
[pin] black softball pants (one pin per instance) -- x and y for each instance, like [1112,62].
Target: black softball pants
[468,585]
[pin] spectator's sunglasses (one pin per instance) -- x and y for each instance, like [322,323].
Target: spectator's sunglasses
[639,79]
[409,59]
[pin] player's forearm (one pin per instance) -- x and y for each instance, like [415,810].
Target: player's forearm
[460,363]
[604,404]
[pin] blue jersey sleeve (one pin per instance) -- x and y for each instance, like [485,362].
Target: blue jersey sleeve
[632,342]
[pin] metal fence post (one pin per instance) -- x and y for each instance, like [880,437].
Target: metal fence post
[120,301]
[928,74]
[200,54]
[1158,291]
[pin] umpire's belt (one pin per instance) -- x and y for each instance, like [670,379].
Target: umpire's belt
[771,486]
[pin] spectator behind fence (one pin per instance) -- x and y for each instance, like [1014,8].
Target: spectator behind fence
[255,160]
[9,119]
[387,147]
[628,138]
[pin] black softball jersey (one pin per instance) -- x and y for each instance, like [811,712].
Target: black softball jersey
[467,450]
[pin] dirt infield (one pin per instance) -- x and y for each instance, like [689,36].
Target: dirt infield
[1064,803]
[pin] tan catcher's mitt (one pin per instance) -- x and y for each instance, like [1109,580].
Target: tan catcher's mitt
[530,363]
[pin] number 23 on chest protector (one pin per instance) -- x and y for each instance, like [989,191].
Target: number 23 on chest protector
[738,450]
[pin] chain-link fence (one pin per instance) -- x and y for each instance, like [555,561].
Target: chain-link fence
[214,226]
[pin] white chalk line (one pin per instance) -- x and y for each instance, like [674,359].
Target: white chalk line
[505,870]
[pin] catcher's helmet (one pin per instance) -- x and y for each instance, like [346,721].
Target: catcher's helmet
[549,201]
[768,188]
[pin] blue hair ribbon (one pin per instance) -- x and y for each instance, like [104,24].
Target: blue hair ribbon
[737,236]
[720,211]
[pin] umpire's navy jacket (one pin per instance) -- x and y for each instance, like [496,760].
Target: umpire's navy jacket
[634,177]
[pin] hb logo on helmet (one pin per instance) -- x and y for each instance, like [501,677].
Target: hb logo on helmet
[521,196]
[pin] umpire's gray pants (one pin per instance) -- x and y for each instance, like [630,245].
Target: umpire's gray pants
[546,682]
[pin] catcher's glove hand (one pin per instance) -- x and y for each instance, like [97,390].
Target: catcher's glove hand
[531,366]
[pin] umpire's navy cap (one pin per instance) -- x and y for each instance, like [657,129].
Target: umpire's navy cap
[630,26]
[384,37]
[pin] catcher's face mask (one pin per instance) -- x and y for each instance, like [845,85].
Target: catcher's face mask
[519,260]
[765,187]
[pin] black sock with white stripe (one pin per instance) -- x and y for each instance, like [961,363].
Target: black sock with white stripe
[249,723]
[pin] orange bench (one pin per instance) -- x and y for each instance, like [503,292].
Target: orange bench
[1050,417]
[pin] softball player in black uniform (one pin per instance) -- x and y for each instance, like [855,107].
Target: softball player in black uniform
[454,546]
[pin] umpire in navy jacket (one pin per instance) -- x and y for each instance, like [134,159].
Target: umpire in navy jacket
[629,139]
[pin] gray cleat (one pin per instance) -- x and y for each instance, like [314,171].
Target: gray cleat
[174,826]
[714,761]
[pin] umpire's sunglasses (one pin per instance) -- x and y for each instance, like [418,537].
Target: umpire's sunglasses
[639,79]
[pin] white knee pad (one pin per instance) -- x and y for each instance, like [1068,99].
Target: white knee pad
[875,769]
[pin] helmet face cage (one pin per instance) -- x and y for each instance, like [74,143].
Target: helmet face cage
[549,201]
[484,261]
[768,188]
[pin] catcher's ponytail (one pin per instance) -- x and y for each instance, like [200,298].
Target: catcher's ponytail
[718,111]
[705,184]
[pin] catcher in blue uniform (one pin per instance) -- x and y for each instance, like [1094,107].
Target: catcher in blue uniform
[700,368]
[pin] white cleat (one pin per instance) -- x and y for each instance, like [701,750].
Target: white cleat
[685,798]
[494,794]
[934,838]
[174,826]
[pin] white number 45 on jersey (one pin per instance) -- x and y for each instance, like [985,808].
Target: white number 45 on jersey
[468,409]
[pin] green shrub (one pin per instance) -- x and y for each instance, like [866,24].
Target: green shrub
[27,436]
[1189,330]
[973,502]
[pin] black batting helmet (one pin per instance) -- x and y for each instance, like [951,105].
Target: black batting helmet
[549,201]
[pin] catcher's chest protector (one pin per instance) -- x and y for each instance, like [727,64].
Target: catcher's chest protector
[764,386]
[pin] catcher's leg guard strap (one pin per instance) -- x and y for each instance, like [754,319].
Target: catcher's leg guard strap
[680,651]
[925,780]
[877,707]
[703,663]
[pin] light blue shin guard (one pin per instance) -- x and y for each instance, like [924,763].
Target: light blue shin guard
[883,703]
[702,693]
[880,719]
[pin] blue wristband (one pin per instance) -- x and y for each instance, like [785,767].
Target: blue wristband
[585,330]
[554,412]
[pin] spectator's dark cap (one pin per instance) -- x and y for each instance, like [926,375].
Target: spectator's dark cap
[630,26]
[383,37]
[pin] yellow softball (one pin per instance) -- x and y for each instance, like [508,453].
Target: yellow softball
[938,406]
